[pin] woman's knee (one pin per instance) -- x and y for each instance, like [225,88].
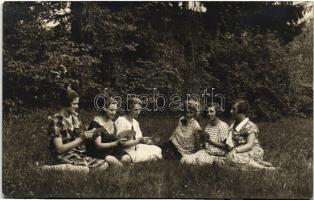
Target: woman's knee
[184,160]
[126,159]
[111,159]
[155,149]
[188,159]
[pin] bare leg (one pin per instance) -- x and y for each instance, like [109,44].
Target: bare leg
[259,166]
[126,160]
[113,161]
[65,167]
[265,163]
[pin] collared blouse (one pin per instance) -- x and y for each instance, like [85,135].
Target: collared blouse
[240,133]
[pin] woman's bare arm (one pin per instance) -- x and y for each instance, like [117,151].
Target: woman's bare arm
[101,145]
[62,148]
[133,142]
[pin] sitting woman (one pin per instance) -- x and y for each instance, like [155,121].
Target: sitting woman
[67,137]
[186,137]
[106,145]
[139,148]
[246,150]
[214,136]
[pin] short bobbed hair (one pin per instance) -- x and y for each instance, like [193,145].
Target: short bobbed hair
[217,107]
[67,97]
[108,101]
[190,105]
[131,102]
[242,106]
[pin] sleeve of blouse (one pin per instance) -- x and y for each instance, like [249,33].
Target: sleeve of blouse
[94,124]
[55,127]
[251,128]
[197,127]
[120,126]
[224,131]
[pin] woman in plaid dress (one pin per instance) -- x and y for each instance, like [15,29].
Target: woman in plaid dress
[67,137]
[185,139]
[214,136]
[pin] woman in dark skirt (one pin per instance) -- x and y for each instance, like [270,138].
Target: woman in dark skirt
[106,145]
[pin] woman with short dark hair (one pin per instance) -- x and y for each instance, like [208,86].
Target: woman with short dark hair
[67,137]
[243,139]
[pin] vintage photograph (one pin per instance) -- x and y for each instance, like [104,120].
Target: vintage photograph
[157,99]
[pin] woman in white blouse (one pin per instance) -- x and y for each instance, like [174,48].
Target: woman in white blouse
[139,148]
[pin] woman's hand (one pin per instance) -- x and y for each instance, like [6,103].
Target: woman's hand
[205,136]
[122,141]
[147,140]
[133,142]
[87,135]
[231,154]
[140,139]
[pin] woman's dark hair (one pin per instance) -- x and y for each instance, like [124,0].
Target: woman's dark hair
[67,96]
[242,105]
[131,103]
[108,101]
[217,107]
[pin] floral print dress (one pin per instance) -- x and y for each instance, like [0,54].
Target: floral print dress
[238,136]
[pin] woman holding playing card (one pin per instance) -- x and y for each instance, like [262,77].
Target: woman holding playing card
[214,136]
[67,138]
[106,144]
[140,148]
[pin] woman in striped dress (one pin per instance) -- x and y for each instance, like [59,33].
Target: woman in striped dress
[214,136]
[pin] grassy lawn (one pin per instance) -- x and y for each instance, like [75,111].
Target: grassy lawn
[287,143]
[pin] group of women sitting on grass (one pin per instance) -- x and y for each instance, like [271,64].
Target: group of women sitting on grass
[121,142]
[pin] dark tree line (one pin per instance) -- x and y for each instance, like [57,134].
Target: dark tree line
[240,48]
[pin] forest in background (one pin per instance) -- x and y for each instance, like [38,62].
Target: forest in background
[252,50]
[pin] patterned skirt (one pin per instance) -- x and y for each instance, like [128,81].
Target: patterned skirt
[201,158]
[77,158]
[255,154]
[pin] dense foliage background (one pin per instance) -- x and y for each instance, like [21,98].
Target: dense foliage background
[253,50]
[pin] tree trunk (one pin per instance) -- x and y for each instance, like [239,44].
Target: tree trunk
[76,23]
